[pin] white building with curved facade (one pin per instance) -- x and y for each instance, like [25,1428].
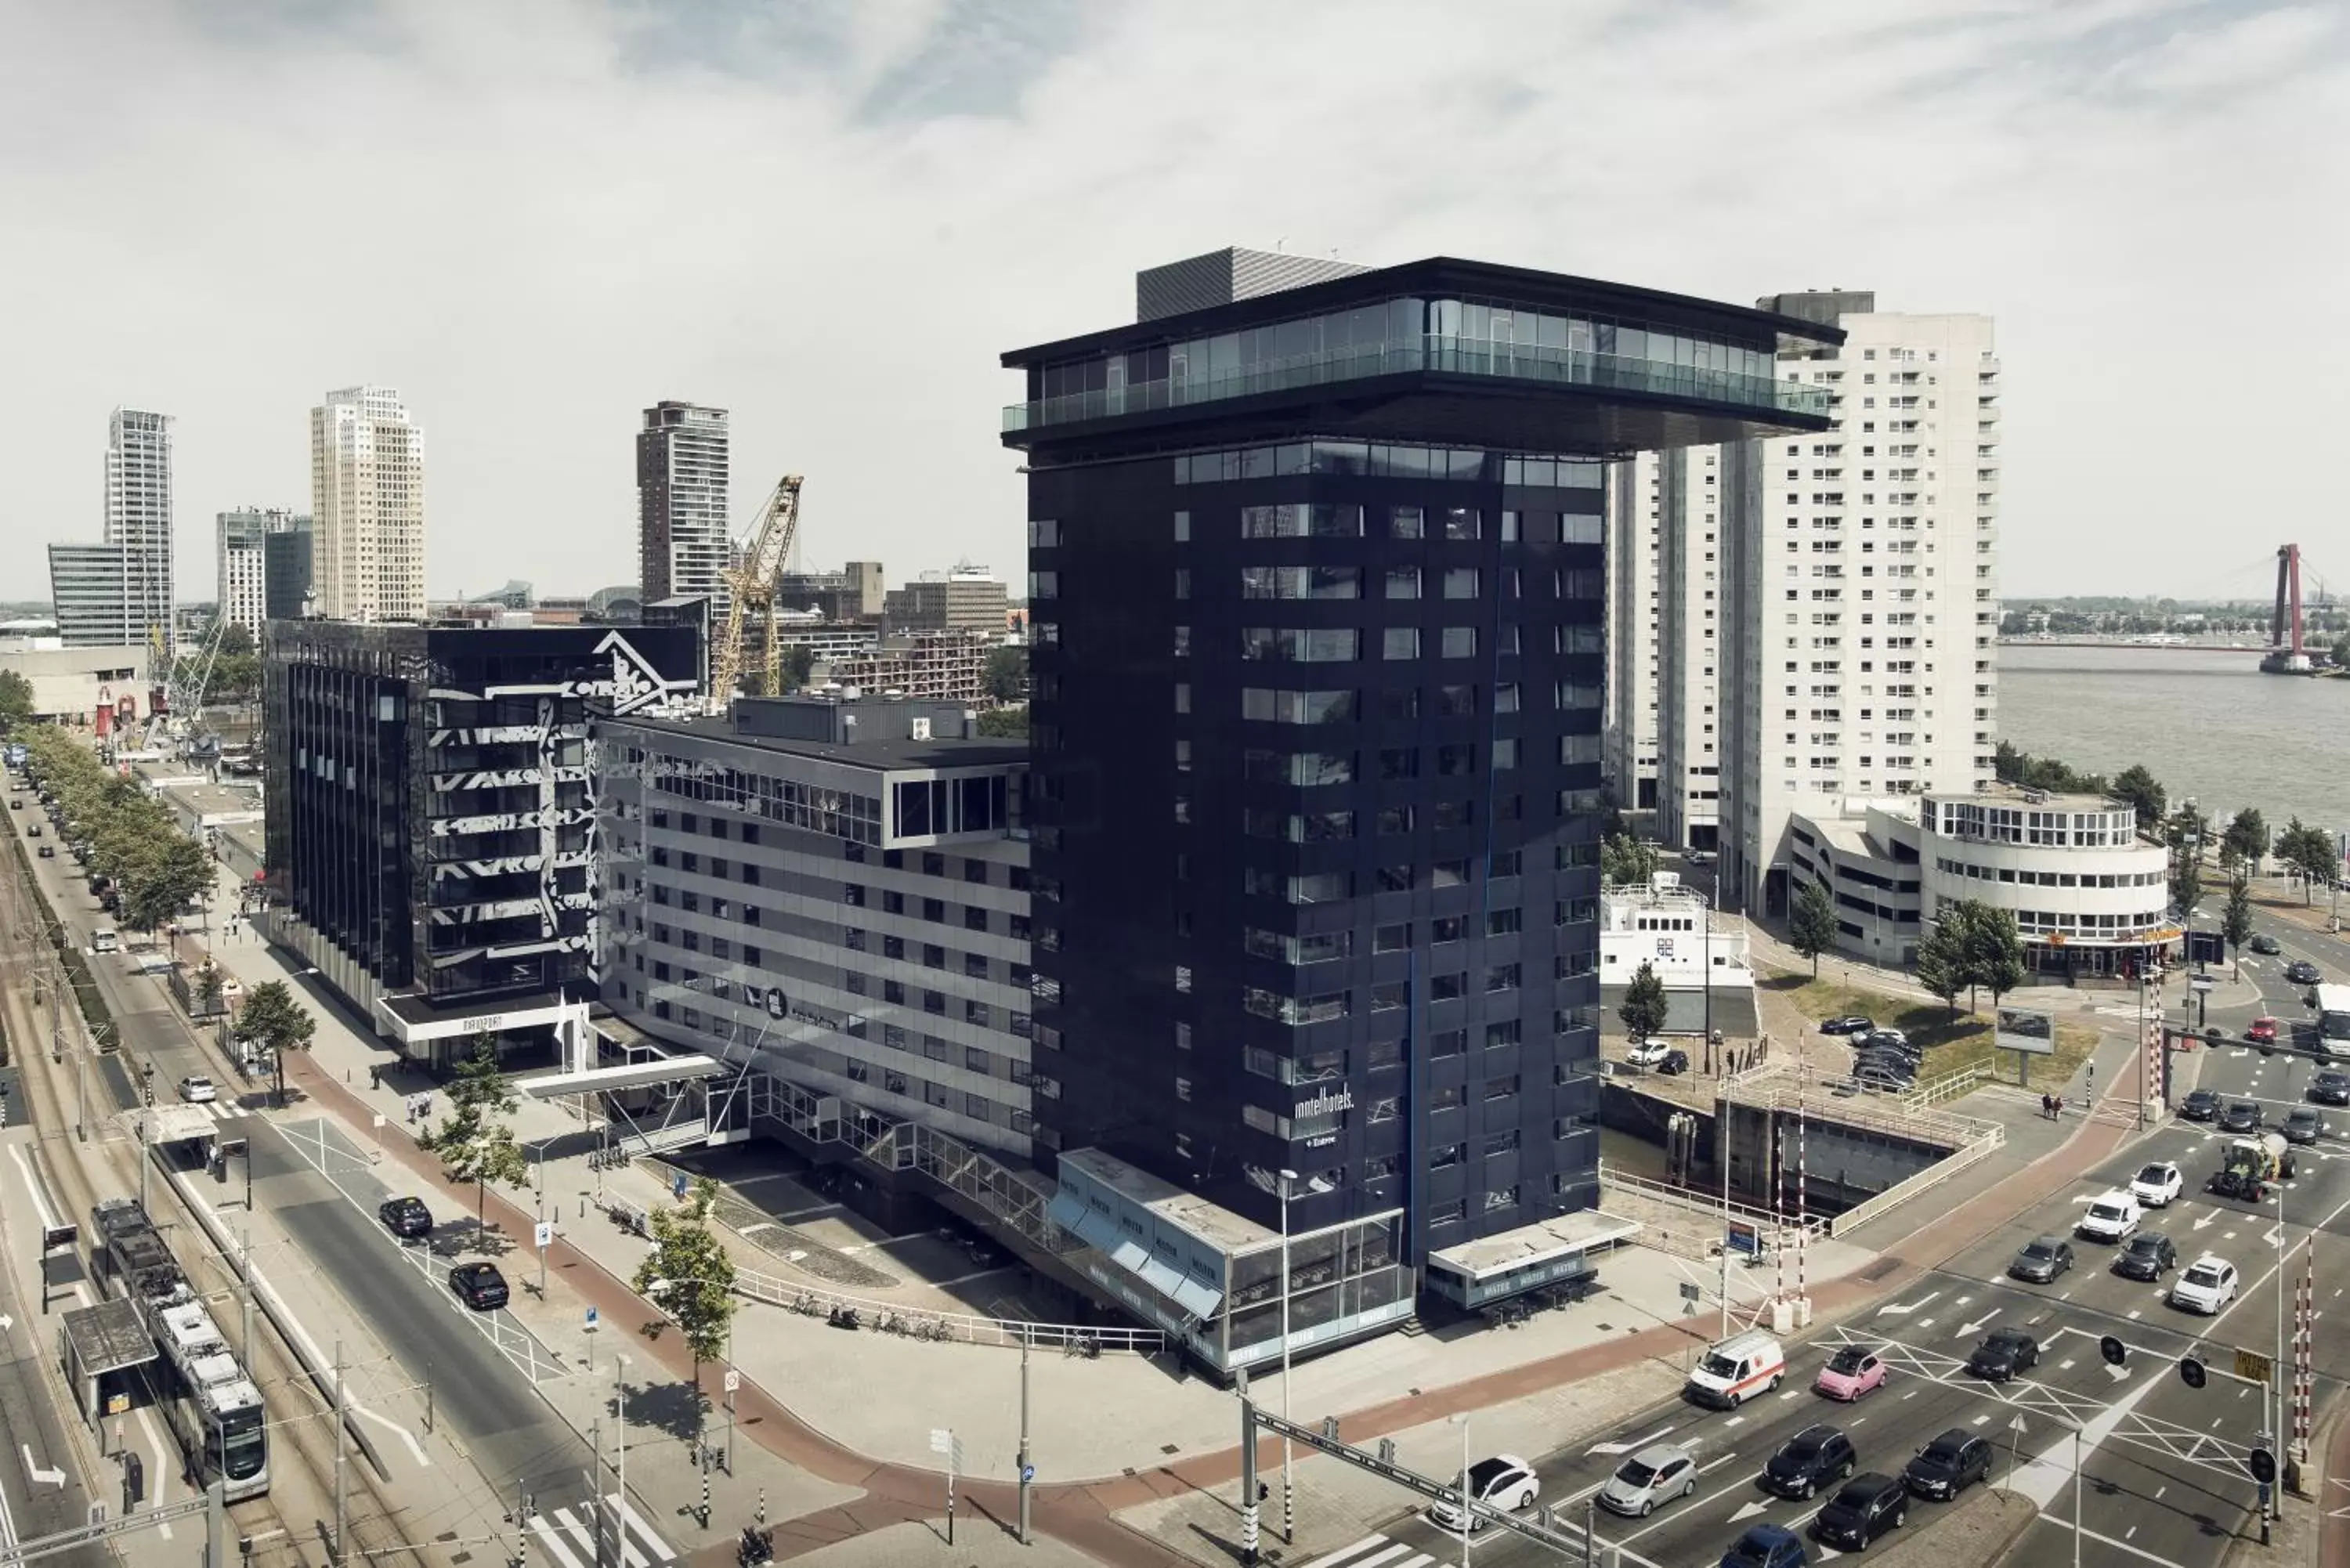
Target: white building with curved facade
[2090,896]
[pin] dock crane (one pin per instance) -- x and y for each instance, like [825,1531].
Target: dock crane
[753,584]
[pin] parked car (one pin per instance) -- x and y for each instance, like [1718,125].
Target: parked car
[15,803]
[1887,1040]
[2201,1106]
[1869,1506]
[2110,1217]
[2262,942]
[47,852]
[2148,1256]
[1657,1473]
[2041,1260]
[2157,1183]
[1504,1482]
[1850,1373]
[1676,1062]
[197,1090]
[2240,1116]
[2303,1125]
[2208,1284]
[2331,1088]
[1648,1053]
[1850,1024]
[2004,1353]
[1810,1461]
[1949,1465]
[1766,1546]
[482,1288]
[1884,1077]
[2301,972]
[34,831]
[2261,1031]
[405,1217]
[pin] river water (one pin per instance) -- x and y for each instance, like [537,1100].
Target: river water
[2208,724]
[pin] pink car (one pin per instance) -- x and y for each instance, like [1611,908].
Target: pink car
[1852,1372]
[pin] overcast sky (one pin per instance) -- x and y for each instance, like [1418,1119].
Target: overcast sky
[534,217]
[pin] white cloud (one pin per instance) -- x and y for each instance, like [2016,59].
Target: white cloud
[536,217]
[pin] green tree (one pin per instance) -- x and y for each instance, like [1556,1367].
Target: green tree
[2248,837]
[275,1020]
[1005,677]
[1812,926]
[2186,881]
[2341,652]
[1941,962]
[15,702]
[1994,948]
[160,877]
[2309,851]
[2236,925]
[1005,723]
[208,987]
[2140,789]
[474,1141]
[691,1275]
[236,641]
[1626,860]
[798,660]
[1645,1006]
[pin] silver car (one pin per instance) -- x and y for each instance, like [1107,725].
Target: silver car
[1657,1473]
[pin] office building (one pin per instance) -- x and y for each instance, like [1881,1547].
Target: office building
[1634,541]
[71,683]
[1318,601]
[834,895]
[120,590]
[854,593]
[967,599]
[256,582]
[934,666]
[286,553]
[2090,896]
[1863,573]
[1688,640]
[431,813]
[367,496]
[682,496]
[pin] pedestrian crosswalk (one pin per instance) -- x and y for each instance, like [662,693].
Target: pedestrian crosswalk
[222,1110]
[567,1536]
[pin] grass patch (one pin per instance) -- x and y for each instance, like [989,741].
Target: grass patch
[1953,1044]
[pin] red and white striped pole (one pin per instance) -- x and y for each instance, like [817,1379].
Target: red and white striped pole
[2303,1355]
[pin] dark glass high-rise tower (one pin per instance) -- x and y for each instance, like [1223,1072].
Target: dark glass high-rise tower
[1317,592]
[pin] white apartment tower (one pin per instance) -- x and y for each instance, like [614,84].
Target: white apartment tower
[1664,740]
[682,492]
[138,517]
[241,567]
[1863,581]
[367,492]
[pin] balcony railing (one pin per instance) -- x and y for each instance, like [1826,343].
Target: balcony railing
[1557,367]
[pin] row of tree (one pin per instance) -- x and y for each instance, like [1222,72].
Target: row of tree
[156,869]
[1971,946]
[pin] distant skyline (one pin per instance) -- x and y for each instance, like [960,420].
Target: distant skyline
[832,218]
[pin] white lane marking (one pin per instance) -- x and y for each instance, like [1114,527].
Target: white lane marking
[1629,1444]
[1734,1421]
[554,1542]
[660,1547]
[56,1477]
[33,1188]
[414,1447]
[1365,1544]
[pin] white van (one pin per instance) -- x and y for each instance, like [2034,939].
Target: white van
[1737,1369]
[104,941]
[2111,1216]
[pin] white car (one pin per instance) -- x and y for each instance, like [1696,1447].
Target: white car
[2205,1285]
[1648,1053]
[2157,1184]
[2111,1217]
[1657,1473]
[1504,1482]
[197,1089]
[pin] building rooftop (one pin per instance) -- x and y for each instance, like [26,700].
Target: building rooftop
[2033,799]
[881,755]
[1212,1222]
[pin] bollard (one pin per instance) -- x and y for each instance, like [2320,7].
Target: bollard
[762,1508]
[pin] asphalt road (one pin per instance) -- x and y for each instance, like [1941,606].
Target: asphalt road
[2163,1484]
[30,1509]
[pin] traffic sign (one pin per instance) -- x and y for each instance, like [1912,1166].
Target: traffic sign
[733,1380]
[543,1234]
[2202,982]
[2262,1464]
[2252,1366]
[2190,1372]
[1027,1472]
[592,1316]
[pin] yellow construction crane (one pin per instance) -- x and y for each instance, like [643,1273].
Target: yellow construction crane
[753,583]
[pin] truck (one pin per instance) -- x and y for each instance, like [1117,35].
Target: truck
[2251,1167]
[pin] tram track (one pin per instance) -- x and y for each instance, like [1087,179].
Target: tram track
[75,1172]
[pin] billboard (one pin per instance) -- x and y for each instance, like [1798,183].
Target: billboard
[2032,1029]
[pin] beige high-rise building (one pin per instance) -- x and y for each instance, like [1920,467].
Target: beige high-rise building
[367,489]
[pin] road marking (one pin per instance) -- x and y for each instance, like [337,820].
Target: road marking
[1343,1552]
[54,1477]
[1980,1420]
[1717,1464]
[2134,1313]
[1733,1421]
[1924,1323]
[2065,1365]
[1897,1307]
[1966,1329]
[414,1447]
[1628,1445]
[1747,1510]
[554,1542]
[1793,1394]
[33,1188]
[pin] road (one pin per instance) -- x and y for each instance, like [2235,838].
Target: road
[29,1507]
[2164,1482]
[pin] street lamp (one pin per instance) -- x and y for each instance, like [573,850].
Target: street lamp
[1288,1478]
[1461,1421]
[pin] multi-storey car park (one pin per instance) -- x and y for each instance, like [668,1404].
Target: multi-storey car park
[1317,590]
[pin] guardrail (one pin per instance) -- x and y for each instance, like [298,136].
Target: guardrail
[967,1328]
[1948,1087]
[1699,1203]
[1985,1144]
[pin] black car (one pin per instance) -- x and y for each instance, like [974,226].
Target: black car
[2331,1088]
[2240,1116]
[479,1285]
[48,852]
[2041,1260]
[2301,972]
[2302,1125]
[1949,1465]
[405,1217]
[1851,1023]
[2148,1255]
[2004,1354]
[2262,942]
[1887,1040]
[1812,1458]
[1869,1506]
[1886,1077]
[1674,1061]
[2202,1106]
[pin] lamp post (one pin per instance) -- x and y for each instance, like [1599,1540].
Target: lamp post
[1288,1477]
[1461,1421]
